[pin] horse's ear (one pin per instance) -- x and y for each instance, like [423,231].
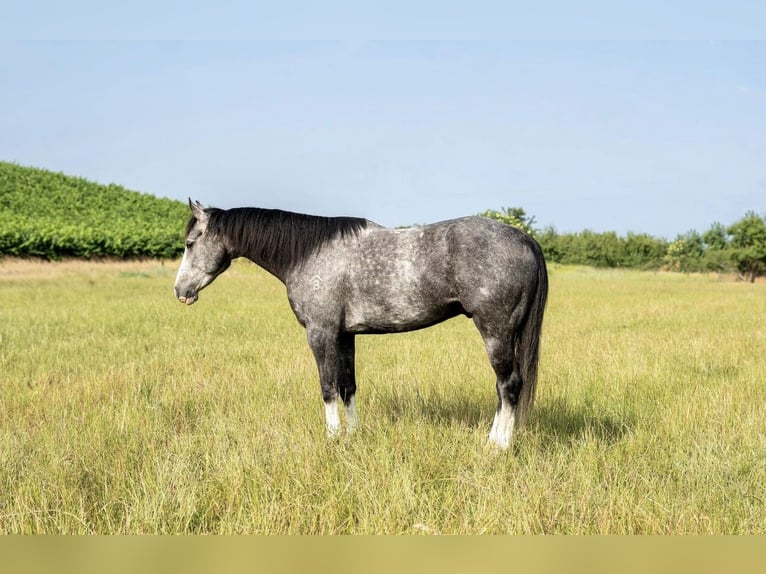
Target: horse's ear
[197,210]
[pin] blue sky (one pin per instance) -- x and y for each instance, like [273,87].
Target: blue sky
[646,119]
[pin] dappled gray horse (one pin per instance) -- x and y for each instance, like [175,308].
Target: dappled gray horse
[347,276]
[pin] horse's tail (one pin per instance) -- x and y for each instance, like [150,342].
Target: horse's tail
[528,342]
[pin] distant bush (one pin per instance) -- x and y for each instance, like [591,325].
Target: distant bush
[52,215]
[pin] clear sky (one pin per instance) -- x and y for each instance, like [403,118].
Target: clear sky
[648,117]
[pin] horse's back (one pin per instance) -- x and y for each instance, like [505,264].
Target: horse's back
[413,277]
[466,248]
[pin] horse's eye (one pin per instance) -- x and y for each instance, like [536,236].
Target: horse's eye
[189,244]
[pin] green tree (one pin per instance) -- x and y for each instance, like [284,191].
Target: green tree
[685,253]
[515,216]
[551,243]
[715,237]
[748,245]
[717,256]
[642,250]
[599,249]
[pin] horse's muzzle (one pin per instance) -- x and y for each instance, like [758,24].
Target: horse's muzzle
[188,298]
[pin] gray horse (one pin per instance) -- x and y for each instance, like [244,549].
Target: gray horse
[347,276]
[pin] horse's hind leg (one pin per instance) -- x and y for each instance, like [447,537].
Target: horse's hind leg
[347,379]
[501,356]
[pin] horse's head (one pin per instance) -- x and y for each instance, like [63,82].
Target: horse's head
[205,256]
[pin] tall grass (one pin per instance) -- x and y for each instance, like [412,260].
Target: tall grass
[122,411]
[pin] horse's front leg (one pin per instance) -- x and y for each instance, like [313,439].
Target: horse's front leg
[325,345]
[347,379]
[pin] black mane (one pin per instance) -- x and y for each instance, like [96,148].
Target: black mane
[281,238]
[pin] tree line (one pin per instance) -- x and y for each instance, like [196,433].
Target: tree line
[737,248]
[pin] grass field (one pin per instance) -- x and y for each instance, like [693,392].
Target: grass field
[123,411]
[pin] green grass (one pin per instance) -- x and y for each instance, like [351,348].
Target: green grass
[123,411]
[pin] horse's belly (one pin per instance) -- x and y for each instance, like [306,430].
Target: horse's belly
[388,317]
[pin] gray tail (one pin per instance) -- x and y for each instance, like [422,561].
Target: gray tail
[528,343]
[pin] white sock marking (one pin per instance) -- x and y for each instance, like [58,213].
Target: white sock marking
[493,431]
[352,419]
[502,428]
[332,417]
